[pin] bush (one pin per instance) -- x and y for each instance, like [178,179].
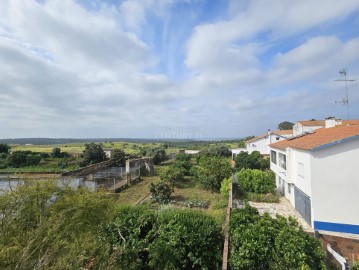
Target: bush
[225,187]
[172,175]
[4,148]
[161,192]
[46,227]
[261,242]
[169,239]
[215,151]
[256,181]
[23,158]
[251,161]
[212,171]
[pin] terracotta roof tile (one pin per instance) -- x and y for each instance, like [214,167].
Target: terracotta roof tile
[283,132]
[320,137]
[350,122]
[275,132]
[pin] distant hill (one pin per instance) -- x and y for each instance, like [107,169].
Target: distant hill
[50,141]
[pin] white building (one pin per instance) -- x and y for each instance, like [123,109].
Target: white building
[318,173]
[236,151]
[302,127]
[261,143]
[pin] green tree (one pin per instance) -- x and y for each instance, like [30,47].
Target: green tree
[158,155]
[214,150]
[173,175]
[256,181]
[169,239]
[285,125]
[161,192]
[4,148]
[92,154]
[56,152]
[118,157]
[212,171]
[23,158]
[46,227]
[251,161]
[261,242]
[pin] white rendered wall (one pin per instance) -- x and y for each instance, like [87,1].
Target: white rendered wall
[335,183]
[260,145]
[301,178]
[298,129]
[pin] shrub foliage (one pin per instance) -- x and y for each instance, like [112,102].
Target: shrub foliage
[261,242]
[141,238]
[256,181]
[211,171]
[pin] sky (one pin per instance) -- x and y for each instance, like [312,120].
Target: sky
[174,69]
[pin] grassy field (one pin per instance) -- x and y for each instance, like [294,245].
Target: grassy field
[54,165]
[77,148]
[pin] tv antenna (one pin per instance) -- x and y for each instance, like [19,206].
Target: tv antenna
[345,101]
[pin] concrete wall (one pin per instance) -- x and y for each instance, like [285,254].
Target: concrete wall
[335,187]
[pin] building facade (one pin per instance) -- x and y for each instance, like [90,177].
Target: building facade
[317,172]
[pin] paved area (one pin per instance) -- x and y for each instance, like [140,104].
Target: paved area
[283,208]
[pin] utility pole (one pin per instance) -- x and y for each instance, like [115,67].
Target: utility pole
[345,100]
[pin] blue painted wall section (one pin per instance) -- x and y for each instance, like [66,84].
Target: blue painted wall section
[336,227]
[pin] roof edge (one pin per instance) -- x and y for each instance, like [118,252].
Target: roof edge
[320,147]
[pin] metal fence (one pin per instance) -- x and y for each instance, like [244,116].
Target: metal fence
[113,178]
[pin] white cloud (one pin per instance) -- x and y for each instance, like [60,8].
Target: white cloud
[71,71]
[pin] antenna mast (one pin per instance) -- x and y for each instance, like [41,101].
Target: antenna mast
[345,100]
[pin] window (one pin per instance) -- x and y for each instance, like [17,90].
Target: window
[282,160]
[277,138]
[273,156]
[301,169]
[289,188]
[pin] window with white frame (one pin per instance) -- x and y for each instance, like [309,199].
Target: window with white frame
[282,161]
[273,156]
[288,188]
[301,169]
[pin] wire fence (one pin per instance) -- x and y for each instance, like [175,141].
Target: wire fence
[114,178]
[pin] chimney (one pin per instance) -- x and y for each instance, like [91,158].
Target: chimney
[268,131]
[330,122]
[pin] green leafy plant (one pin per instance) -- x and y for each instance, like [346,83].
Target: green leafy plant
[195,203]
[225,187]
[169,239]
[251,161]
[256,181]
[161,192]
[211,171]
[261,242]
